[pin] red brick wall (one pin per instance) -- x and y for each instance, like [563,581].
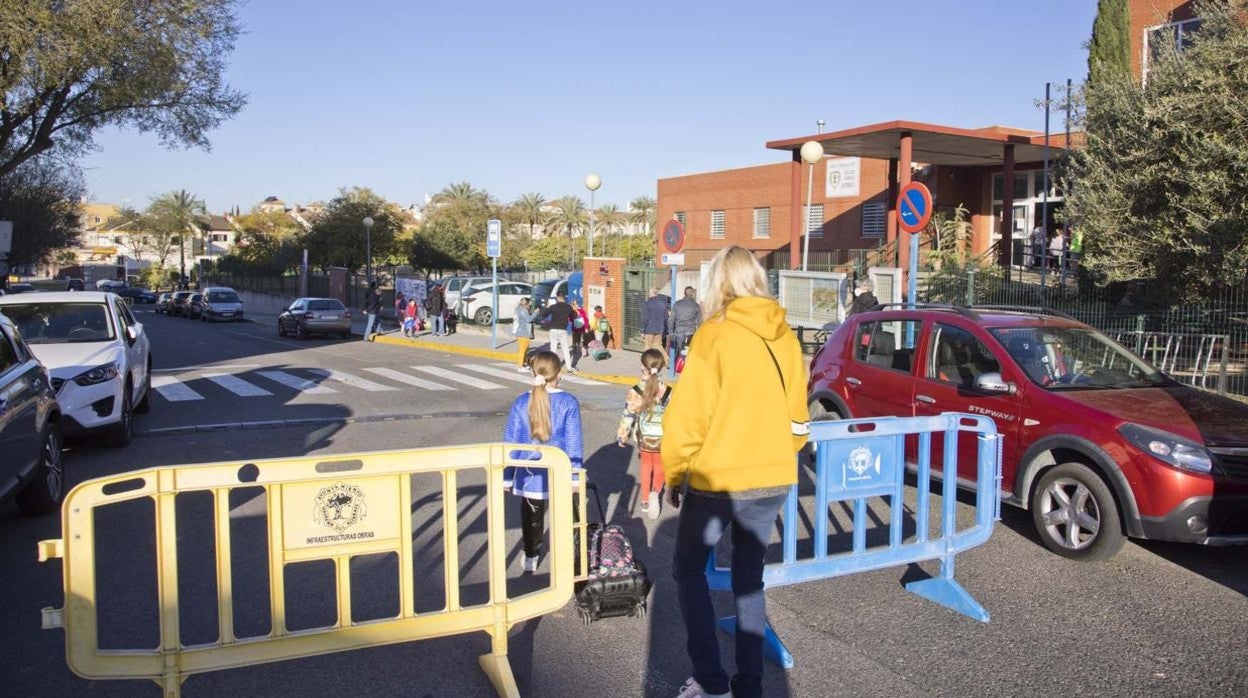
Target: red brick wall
[1150,13]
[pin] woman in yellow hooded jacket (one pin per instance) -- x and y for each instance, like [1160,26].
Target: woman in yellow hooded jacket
[731,433]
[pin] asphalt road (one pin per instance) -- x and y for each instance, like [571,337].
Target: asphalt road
[1158,619]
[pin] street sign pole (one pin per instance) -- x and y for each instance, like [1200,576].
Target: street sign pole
[674,242]
[493,248]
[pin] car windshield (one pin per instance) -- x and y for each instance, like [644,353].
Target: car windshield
[325,305]
[1064,358]
[222,297]
[60,323]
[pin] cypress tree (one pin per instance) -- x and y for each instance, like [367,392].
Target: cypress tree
[1109,51]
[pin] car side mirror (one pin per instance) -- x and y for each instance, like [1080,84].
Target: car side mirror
[992,382]
[132,334]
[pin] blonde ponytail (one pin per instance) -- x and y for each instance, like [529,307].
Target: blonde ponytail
[546,365]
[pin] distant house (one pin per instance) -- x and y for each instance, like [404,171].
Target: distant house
[271,204]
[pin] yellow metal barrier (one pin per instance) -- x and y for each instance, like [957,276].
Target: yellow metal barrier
[319,508]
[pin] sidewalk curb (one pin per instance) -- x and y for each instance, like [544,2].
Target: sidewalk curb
[490,354]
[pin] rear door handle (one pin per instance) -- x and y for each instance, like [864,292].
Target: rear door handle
[924,398]
[853,381]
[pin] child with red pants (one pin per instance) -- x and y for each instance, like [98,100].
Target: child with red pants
[643,422]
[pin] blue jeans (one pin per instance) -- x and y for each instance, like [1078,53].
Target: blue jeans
[372,325]
[703,521]
[439,323]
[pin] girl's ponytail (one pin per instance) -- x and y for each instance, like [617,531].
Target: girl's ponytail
[653,361]
[546,367]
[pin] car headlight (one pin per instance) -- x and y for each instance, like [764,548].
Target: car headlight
[1168,448]
[99,374]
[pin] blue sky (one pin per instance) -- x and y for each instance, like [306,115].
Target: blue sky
[515,97]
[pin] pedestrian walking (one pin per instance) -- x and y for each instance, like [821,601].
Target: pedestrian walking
[1038,237]
[372,308]
[559,320]
[731,434]
[582,331]
[642,423]
[603,327]
[436,305]
[543,415]
[522,328]
[654,318]
[686,317]
[864,297]
[1057,248]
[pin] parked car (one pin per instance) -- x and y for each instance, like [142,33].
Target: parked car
[98,355]
[15,289]
[1098,444]
[454,285]
[545,291]
[193,309]
[307,316]
[162,302]
[74,285]
[30,428]
[138,294]
[220,303]
[110,285]
[477,302]
[177,302]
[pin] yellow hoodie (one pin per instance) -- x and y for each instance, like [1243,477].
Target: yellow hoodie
[729,423]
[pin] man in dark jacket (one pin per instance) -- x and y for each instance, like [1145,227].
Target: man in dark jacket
[686,317]
[372,306]
[654,319]
[435,304]
[864,297]
[558,319]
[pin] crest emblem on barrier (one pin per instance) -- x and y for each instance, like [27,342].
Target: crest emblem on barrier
[861,462]
[340,506]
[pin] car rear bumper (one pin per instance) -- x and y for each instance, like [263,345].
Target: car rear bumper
[342,325]
[1205,520]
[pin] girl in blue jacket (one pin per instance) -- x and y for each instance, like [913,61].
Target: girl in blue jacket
[549,416]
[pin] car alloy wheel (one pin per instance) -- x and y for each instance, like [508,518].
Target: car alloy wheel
[1075,514]
[483,316]
[123,431]
[45,491]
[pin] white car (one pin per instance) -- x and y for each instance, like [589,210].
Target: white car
[477,302]
[98,355]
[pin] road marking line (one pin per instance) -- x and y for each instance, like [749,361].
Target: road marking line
[408,379]
[236,385]
[187,369]
[353,381]
[174,390]
[303,385]
[510,374]
[453,376]
[567,378]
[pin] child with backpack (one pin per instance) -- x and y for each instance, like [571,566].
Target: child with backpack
[410,319]
[603,327]
[643,422]
[544,415]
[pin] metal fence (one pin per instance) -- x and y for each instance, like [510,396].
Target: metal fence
[1202,343]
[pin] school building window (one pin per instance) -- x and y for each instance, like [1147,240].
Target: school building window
[762,222]
[814,221]
[717,224]
[1160,40]
[680,216]
[873,219]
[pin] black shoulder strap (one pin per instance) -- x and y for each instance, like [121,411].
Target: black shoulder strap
[667,393]
[777,363]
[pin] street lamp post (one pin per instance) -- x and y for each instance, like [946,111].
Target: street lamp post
[592,182]
[368,247]
[812,152]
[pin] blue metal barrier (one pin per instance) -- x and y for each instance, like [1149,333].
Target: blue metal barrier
[863,458]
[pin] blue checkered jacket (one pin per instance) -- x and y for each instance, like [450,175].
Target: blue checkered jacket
[565,420]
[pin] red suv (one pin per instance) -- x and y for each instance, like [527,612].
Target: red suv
[1098,443]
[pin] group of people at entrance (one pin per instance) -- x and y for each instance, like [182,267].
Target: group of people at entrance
[412,316]
[1056,251]
[573,332]
[722,444]
[666,325]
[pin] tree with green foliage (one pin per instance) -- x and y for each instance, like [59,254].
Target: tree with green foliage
[569,218]
[41,198]
[337,238]
[530,207]
[178,214]
[71,67]
[1159,185]
[641,212]
[1109,50]
[268,242]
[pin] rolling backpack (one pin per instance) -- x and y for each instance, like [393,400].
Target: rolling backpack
[598,351]
[617,584]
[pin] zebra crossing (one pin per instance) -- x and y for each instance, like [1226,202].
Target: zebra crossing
[189,385]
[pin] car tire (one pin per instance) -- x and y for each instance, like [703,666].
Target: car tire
[122,433]
[483,316]
[145,402]
[43,494]
[300,332]
[281,331]
[1075,513]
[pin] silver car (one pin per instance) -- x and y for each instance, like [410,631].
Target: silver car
[315,316]
[220,303]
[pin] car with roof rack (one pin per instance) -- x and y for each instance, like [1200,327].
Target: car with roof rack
[1098,444]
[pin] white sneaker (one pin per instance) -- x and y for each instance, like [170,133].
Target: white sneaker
[523,369]
[645,505]
[693,689]
[653,509]
[530,564]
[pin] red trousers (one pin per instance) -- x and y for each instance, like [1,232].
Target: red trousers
[651,473]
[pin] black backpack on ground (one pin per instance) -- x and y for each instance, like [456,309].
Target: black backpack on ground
[617,584]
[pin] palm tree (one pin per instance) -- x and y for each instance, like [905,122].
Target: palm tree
[181,211]
[642,213]
[529,206]
[569,216]
[611,218]
[460,193]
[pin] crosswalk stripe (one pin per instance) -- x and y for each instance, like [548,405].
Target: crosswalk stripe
[293,381]
[510,374]
[408,379]
[174,390]
[353,381]
[527,378]
[236,385]
[453,376]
